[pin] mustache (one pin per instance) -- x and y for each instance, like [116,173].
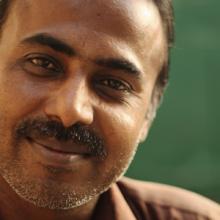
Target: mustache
[78,134]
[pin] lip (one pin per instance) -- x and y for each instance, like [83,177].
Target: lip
[52,154]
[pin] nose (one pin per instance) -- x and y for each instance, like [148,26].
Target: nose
[71,103]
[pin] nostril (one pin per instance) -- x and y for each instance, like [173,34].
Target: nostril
[69,114]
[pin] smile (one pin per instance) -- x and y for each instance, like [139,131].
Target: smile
[55,156]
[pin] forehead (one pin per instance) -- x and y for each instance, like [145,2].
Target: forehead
[93,26]
[129,15]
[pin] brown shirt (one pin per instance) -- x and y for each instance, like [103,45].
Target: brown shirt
[130,200]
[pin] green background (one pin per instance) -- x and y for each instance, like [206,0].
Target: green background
[183,147]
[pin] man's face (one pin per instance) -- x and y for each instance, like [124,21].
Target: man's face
[76,82]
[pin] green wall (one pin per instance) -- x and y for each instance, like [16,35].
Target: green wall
[183,147]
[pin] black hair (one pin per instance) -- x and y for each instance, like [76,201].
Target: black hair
[4,5]
[165,8]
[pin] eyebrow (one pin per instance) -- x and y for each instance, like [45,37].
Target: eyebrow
[52,42]
[60,46]
[119,64]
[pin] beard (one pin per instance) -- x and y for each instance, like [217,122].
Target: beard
[49,193]
[51,187]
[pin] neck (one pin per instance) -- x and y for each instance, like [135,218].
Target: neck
[12,207]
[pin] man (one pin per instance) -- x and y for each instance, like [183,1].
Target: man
[80,82]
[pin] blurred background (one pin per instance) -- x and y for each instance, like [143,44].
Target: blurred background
[183,147]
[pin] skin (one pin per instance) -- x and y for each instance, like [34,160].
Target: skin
[73,93]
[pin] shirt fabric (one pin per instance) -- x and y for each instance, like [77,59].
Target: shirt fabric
[136,200]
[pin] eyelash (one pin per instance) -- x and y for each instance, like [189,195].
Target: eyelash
[48,63]
[45,65]
[115,84]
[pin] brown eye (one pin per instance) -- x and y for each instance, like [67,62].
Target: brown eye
[113,89]
[116,84]
[42,65]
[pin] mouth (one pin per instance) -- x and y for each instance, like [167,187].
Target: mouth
[52,153]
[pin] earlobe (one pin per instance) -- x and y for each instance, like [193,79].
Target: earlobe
[144,131]
[150,115]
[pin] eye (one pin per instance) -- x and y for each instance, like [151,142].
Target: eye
[42,65]
[43,62]
[116,84]
[113,89]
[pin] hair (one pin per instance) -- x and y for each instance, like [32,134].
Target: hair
[4,5]
[166,12]
[165,8]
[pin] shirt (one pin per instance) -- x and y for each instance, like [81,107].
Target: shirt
[136,200]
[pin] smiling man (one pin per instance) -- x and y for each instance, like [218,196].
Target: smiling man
[80,81]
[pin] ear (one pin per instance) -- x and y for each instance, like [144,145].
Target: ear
[144,131]
[150,115]
[147,123]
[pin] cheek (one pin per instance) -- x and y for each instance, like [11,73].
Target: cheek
[19,97]
[120,129]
